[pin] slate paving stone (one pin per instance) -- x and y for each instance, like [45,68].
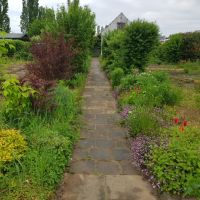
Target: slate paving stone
[121,154]
[100,154]
[121,144]
[80,154]
[127,168]
[83,166]
[85,144]
[104,144]
[120,134]
[108,168]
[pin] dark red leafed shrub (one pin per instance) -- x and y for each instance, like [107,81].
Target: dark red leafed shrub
[52,61]
[43,98]
[52,58]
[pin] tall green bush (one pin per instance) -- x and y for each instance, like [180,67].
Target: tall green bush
[45,22]
[191,46]
[140,39]
[180,47]
[112,50]
[78,22]
[172,49]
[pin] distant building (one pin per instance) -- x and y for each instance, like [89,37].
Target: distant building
[163,38]
[118,23]
[16,36]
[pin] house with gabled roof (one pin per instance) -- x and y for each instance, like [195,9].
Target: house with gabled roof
[118,23]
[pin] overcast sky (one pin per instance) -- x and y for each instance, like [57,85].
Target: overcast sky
[171,15]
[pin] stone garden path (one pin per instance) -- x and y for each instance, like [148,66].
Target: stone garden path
[101,167]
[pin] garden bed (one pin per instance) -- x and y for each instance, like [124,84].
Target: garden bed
[161,116]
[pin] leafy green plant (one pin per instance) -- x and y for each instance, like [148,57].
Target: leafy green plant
[113,50]
[172,49]
[142,121]
[139,40]
[176,165]
[153,90]
[78,23]
[6,48]
[17,98]
[127,82]
[116,76]
[15,48]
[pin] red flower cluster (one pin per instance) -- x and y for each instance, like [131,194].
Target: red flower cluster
[182,122]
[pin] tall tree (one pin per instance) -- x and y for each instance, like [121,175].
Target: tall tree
[4,19]
[30,12]
[68,3]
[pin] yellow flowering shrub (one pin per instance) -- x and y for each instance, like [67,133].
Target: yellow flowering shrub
[12,145]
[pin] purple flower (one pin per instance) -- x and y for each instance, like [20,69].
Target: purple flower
[126,111]
[140,148]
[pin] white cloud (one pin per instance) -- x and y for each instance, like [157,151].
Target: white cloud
[171,15]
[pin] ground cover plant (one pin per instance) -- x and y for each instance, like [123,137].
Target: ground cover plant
[165,134]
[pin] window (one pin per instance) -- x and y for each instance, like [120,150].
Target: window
[120,25]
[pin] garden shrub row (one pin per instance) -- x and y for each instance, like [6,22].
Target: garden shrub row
[164,146]
[183,47]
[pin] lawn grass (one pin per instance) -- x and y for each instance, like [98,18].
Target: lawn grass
[190,68]
[189,107]
[5,62]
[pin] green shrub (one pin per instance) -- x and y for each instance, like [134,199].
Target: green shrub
[127,82]
[78,23]
[116,75]
[139,40]
[16,48]
[156,90]
[17,99]
[113,50]
[172,49]
[176,165]
[191,45]
[142,121]
[6,48]
[161,76]
[183,46]
[153,90]
[22,50]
